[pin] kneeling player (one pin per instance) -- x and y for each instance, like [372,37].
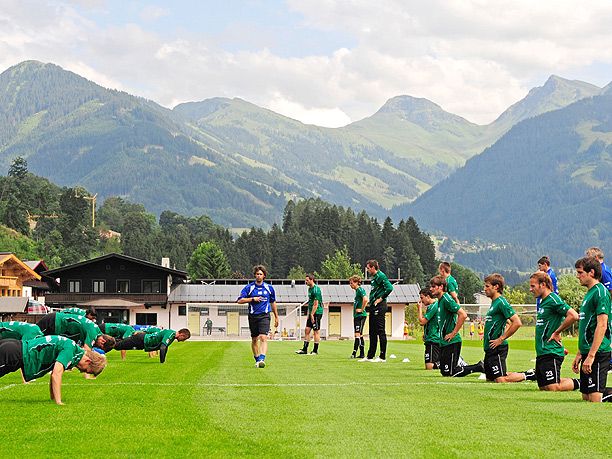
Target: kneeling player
[158,341]
[496,333]
[359,315]
[54,354]
[451,317]
[553,316]
[431,328]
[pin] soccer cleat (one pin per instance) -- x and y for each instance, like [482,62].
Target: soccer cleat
[530,375]
[362,356]
[301,351]
[481,367]
[461,362]
[378,360]
[365,359]
[313,353]
[262,363]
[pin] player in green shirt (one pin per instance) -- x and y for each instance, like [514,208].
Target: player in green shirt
[89,313]
[501,322]
[155,341]
[431,328]
[451,284]
[451,319]
[553,317]
[593,358]
[82,330]
[19,330]
[54,354]
[315,313]
[380,288]
[119,332]
[359,315]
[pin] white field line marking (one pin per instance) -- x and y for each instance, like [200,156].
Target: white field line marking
[7,387]
[416,383]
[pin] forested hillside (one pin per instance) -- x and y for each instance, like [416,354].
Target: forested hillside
[546,184]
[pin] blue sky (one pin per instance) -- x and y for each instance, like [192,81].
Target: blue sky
[323,62]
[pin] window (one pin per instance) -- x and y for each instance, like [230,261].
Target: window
[74,286]
[143,318]
[99,286]
[335,309]
[182,310]
[123,286]
[151,286]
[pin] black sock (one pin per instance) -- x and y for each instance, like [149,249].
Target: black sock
[383,346]
[576,384]
[316,347]
[607,395]
[305,348]
[355,346]
[361,346]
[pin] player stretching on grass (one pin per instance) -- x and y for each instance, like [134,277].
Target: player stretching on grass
[431,328]
[315,312]
[156,341]
[119,332]
[593,358]
[380,288]
[89,313]
[553,316]
[496,333]
[452,317]
[45,354]
[82,330]
[261,298]
[19,330]
[359,315]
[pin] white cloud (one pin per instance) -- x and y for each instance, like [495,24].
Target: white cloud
[472,57]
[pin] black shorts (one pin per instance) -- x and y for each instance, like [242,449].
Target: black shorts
[495,362]
[317,322]
[596,381]
[432,352]
[548,369]
[136,341]
[359,323]
[259,324]
[377,319]
[11,356]
[449,359]
[47,324]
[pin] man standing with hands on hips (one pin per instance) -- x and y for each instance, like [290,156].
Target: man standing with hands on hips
[380,288]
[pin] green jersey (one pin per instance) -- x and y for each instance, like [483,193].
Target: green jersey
[19,330]
[551,313]
[75,311]
[431,330]
[152,330]
[120,331]
[495,321]
[451,284]
[596,302]
[153,341]
[380,287]
[78,328]
[360,294]
[40,355]
[447,314]
[314,293]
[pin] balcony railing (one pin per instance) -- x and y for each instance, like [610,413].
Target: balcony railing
[143,298]
[8,281]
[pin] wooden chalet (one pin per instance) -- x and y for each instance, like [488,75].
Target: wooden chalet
[120,288]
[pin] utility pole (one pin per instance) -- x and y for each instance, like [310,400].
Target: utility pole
[93,208]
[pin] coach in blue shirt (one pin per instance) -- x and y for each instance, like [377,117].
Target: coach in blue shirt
[544,266]
[261,298]
[606,274]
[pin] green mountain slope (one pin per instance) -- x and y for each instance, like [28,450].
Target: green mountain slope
[546,183]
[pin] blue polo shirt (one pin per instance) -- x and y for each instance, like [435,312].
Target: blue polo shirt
[606,276]
[266,291]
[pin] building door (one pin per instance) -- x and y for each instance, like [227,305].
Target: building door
[113,316]
[233,323]
[388,327]
[193,322]
[335,328]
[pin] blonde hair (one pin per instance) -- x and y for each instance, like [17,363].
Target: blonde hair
[97,362]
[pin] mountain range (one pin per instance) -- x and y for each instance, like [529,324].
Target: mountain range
[240,163]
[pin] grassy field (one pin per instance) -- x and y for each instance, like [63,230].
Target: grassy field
[209,400]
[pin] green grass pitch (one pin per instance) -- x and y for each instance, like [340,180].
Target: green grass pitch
[208,400]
